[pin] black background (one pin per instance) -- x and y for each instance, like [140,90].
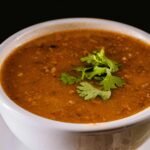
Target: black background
[18,15]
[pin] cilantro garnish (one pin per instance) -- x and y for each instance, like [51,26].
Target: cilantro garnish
[99,59]
[69,79]
[88,91]
[97,70]
[111,82]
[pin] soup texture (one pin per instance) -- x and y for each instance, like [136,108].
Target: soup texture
[30,76]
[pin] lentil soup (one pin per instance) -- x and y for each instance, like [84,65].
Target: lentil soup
[30,76]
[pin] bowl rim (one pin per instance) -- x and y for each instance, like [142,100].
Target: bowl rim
[34,119]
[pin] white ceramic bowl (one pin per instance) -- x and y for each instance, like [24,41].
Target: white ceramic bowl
[40,133]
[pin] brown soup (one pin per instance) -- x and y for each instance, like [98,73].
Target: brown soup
[31,76]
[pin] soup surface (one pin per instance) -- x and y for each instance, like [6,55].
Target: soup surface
[31,76]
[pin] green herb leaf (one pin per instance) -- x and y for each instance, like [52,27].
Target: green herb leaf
[97,71]
[111,82]
[68,79]
[113,65]
[99,59]
[89,92]
[83,71]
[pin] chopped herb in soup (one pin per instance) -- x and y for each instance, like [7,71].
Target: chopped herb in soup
[98,68]
[80,76]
